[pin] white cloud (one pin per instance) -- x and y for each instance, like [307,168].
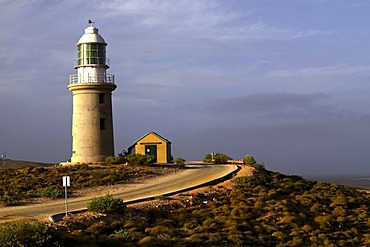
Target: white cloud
[189,14]
[263,31]
[200,19]
[342,69]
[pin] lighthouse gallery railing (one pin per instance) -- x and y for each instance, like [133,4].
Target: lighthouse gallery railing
[97,78]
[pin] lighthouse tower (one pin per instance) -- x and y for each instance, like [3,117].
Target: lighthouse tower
[91,87]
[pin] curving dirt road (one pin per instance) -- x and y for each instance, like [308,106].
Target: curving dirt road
[192,176]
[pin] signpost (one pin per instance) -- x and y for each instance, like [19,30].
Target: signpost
[66,183]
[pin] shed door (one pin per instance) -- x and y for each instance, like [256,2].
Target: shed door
[151,150]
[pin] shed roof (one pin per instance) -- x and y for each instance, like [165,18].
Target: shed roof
[153,133]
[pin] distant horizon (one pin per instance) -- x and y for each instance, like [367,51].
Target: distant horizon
[360,181]
[328,176]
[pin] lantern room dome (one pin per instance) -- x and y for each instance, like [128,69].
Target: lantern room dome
[91,35]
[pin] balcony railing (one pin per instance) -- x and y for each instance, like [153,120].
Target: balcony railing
[97,78]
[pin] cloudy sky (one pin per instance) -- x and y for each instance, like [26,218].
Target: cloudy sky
[286,81]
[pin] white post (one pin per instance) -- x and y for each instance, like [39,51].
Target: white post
[66,203]
[66,183]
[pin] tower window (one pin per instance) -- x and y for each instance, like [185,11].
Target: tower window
[102,124]
[91,54]
[101,98]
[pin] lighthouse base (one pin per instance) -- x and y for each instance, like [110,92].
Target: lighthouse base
[69,163]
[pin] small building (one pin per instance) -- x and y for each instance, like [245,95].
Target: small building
[153,144]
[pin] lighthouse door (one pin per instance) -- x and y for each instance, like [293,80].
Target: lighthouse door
[151,150]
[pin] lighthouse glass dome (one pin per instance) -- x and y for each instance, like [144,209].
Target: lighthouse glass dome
[91,63]
[91,54]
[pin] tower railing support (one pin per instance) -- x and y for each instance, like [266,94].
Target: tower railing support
[97,78]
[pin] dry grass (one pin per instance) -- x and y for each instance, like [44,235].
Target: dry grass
[138,210]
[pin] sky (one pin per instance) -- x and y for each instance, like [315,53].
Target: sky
[286,81]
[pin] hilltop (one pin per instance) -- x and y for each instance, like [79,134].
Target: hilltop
[265,209]
[256,208]
[8,163]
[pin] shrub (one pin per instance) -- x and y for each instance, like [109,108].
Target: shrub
[115,160]
[217,158]
[98,229]
[179,161]
[7,200]
[249,160]
[122,234]
[207,158]
[157,230]
[140,159]
[259,167]
[51,192]
[155,241]
[252,181]
[106,204]
[148,241]
[29,234]
[150,159]
[220,158]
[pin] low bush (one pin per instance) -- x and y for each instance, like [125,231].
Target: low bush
[29,234]
[140,159]
[115,160]
[52,192]
[106,204]
[7,200]
[220,158]
[216,158]
[207,158]
[259,167]
[249,160]
[179,161]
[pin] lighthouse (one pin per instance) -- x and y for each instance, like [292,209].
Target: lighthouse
[92,87]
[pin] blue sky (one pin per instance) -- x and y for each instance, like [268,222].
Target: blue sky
[286,81]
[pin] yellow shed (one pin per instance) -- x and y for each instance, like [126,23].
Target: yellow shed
[153,144]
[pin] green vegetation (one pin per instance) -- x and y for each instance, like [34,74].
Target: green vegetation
[266,209]
[207,158]
[249,160]
[34,234]
[106,204]
[140,159]
[218,158]
[33,182]
[52,192]
[179,161]
[115,160]
[7,200]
